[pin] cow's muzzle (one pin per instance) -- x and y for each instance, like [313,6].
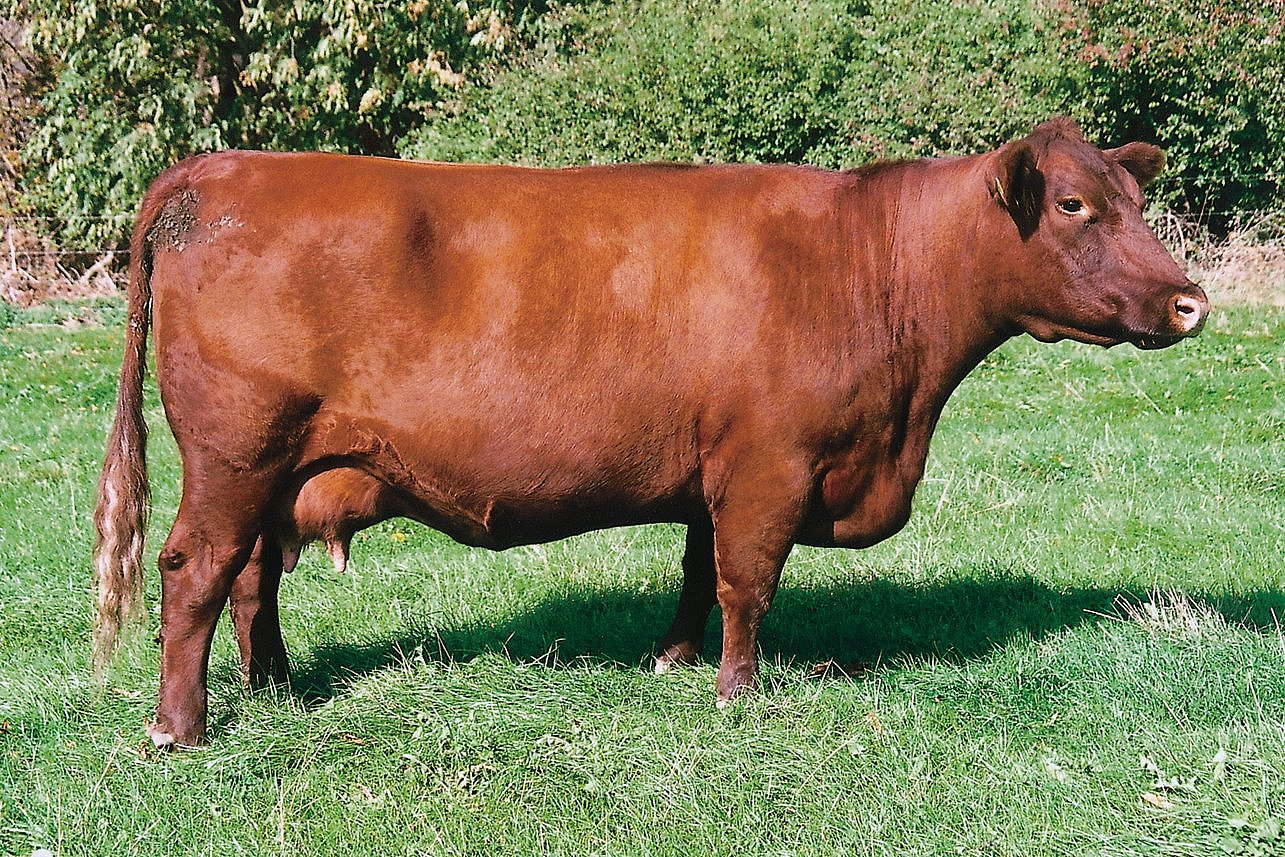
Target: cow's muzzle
[1187,310]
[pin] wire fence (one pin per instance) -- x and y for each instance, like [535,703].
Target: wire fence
[36,233]
[1246,266]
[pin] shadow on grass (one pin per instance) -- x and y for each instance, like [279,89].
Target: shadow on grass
[858,624]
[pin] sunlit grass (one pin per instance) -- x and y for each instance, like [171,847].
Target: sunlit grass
[1073,647]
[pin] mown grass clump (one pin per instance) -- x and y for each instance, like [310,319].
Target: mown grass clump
[1073,647]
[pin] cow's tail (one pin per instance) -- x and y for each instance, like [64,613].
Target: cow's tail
[120,516]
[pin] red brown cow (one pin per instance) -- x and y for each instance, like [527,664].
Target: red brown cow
[516,355]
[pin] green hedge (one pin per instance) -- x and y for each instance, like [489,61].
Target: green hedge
[1204,78]
[712,80]
[137,84]
[841,82]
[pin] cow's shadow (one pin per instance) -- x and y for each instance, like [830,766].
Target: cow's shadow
[852,626]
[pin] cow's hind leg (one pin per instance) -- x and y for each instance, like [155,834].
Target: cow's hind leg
[256,619]
[683,643]
[218,524]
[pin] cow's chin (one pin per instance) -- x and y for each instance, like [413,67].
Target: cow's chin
[1049,331]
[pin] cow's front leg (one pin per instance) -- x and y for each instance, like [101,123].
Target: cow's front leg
[753,535]
[256,617]
[683,643]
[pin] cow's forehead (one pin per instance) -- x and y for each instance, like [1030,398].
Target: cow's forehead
[1083,165]
[1076,157]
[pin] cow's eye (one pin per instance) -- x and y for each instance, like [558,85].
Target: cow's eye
[1070,205]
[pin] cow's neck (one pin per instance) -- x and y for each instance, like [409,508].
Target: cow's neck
[927,234]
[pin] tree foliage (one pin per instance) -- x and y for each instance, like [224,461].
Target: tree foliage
[135,85]
[139,84]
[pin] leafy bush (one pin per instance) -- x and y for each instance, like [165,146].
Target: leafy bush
[831,82]
[838,82]
[1205,78]
[932,79]
[664,79]
[140,84]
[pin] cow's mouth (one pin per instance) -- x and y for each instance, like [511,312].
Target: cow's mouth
[1046,331]
[1151,343]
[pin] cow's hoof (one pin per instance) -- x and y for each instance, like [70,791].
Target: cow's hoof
[269,673]
[735,683]
[666,662]
[674,655]
[172,739]
[162,739]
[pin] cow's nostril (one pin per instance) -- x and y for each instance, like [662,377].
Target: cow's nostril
[1190,312]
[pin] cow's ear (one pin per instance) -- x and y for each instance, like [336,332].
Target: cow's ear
[1143,161]
[1016,184]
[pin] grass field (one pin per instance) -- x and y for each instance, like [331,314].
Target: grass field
[1072,648]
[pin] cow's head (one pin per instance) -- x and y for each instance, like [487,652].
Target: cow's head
[1089,267]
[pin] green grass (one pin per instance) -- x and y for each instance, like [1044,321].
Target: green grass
[998,697]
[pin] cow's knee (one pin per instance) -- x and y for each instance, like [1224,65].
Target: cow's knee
[197,571]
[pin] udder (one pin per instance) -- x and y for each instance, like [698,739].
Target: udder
[331,507]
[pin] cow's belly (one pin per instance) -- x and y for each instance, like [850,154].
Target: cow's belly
[509,522]
[500,482]
[499,521]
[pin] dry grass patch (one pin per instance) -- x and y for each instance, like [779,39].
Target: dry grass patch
[1247,267]
[1169,613]
[34,271]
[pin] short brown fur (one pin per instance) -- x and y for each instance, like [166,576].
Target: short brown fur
[516,355]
